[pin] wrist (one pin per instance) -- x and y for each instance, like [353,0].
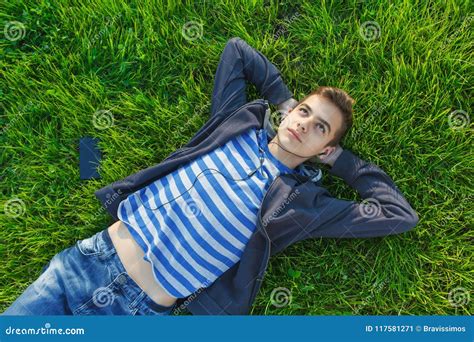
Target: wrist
[287,104]
[337,153]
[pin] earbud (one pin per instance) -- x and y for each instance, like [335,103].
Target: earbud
[261,158]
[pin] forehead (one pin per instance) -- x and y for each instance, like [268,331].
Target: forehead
[323,108]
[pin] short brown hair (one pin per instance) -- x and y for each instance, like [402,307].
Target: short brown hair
[343,102]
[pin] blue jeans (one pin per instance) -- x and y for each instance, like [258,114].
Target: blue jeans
[86,279]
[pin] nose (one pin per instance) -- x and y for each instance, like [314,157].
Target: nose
[302,127]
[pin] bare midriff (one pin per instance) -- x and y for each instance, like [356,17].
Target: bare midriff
[140,270]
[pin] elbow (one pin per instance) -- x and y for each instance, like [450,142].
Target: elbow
[409,222]
[413,221]
[234,40]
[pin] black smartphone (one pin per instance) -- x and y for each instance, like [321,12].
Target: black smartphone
[89,158]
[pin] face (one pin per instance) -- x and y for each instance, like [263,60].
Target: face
[315,122]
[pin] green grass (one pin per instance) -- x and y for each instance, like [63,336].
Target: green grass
[132,59]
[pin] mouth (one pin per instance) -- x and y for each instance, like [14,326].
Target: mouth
[293,133]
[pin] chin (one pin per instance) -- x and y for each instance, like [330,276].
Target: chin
[286,140]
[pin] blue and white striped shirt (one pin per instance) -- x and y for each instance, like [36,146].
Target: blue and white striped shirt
[199,235]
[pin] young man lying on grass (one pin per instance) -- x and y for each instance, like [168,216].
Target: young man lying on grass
[196,231]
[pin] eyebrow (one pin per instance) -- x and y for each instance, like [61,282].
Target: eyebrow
[317,117]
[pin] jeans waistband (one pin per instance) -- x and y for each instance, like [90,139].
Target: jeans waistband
[132,290]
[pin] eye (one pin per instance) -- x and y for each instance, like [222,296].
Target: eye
[303,110]
[323,129]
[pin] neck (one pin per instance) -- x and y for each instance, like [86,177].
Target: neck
[286,158]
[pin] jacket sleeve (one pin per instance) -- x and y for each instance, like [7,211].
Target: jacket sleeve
[241,63]
[382,211]
[261,72]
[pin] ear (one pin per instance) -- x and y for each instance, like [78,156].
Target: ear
[328,150]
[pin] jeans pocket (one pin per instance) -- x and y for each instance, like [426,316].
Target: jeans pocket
[89,246]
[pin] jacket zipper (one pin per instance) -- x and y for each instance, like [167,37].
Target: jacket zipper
[267,256]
